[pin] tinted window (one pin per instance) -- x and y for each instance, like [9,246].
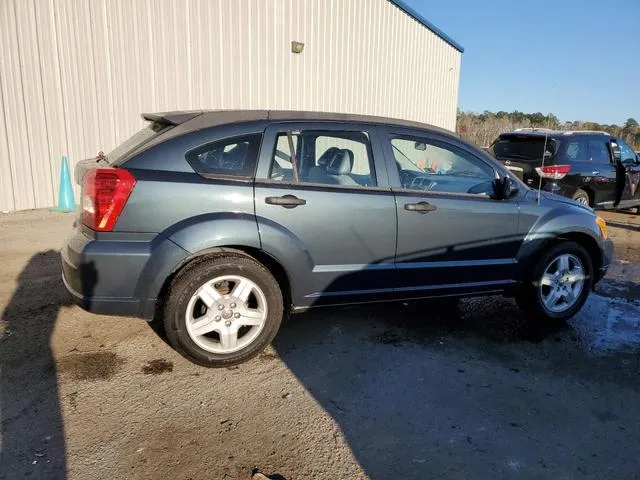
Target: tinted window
[627,155]
[524,147]
[599,151]
[439,167]
[118,154]
[230,157]
[576,150]
[330,158]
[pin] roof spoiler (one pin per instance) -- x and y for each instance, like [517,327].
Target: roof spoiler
[171,118]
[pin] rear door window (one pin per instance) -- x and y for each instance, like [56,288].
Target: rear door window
[324,157]
[576,150]
[234,157]
[599,151]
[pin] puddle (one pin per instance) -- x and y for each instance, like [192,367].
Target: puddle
[91,365]
[606,325]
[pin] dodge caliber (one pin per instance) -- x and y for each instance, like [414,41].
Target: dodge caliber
[221,223]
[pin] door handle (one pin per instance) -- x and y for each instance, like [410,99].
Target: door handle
[286,201]
[420,207]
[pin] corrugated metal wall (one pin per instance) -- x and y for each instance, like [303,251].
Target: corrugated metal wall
[76,74]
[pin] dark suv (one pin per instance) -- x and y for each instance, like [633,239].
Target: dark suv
[593,168]
[221,223]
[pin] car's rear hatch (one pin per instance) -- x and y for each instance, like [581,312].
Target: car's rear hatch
[159,123]
[523,153]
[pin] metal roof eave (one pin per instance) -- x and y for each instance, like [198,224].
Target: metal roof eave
[419,18]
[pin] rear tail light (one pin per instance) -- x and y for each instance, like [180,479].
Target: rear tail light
[105,192]
[553,172]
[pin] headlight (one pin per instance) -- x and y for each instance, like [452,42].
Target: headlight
[603,226]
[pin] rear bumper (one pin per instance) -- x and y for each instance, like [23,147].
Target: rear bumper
[559,188]
[116,274]
[125,307]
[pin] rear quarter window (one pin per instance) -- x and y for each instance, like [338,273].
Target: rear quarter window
[230,157]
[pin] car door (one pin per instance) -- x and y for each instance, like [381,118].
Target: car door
[604,175]
[325,209]
[453,236]
[627,160]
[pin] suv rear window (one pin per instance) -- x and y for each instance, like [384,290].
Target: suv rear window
[235,157]
[523,147]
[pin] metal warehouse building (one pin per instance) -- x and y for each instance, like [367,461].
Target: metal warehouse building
[76,74]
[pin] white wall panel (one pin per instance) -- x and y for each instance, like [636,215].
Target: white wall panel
[76,74]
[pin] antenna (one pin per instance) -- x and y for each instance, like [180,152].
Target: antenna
[544,150]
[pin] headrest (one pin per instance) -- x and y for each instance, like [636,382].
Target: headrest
[329,153]
[341,164]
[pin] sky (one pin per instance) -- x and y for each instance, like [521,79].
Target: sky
[577,59]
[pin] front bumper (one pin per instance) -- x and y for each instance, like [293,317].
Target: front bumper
[607,257]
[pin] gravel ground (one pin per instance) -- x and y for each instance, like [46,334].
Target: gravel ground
[393,391]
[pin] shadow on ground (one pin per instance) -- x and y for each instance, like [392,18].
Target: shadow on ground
[426,390]
[624,226]
[32,439]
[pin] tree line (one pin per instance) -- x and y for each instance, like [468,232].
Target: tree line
[483,128]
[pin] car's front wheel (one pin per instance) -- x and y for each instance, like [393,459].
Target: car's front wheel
[223,311]
[560,283]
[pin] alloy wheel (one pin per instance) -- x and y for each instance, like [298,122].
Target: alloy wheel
[562,283]
[226,314]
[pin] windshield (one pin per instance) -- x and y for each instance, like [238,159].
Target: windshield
[525,148]
[136,140]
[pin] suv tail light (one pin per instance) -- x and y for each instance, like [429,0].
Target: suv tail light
[554,172]
[105,191]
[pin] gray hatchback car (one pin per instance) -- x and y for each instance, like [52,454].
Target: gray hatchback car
[223,222]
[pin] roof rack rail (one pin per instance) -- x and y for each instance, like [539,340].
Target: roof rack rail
[571,132]
[533,129]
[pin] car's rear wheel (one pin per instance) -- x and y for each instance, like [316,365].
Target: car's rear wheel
[223,311]
[560,283]
[582,197]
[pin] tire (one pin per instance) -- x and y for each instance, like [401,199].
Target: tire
[582,197]
[535,299]
[245,299]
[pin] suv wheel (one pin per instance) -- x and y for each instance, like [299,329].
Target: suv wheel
[581,196]
[560,283]
[223,311]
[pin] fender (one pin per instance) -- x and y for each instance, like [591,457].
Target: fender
[181,241]
[557,222]
[191,237]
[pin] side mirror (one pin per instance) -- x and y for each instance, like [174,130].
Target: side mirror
[504,188]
